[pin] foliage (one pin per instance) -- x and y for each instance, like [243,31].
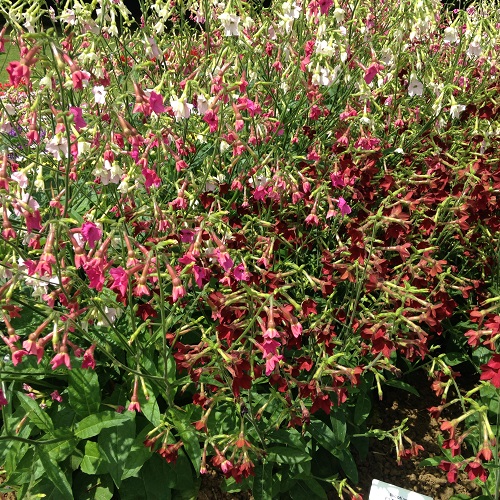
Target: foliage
[223,230]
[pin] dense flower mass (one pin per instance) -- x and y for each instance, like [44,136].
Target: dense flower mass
[224,226]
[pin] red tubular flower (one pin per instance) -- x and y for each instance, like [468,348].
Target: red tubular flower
[475,470]
[170,451]
[451,469]
[491,371]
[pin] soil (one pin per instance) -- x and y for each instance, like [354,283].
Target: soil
[381,461]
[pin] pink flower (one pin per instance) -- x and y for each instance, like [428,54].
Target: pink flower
[78,117]
[134,404]
[151,177]
[212,119]
[61,359]
[17,355]
[178,291]
[56,396]
[345,209]
[88,358]
[240,273]
[372,71]
[200,274]
[271,362]
[17,72]
[120,280]
[156,103]
[91,233]
[224,259]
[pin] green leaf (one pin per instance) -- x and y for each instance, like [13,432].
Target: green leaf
[455,358]
[283,455]
[399,384]
[93,424]
[93,487]
[324,436]
[362,409]
[339,426]
[148,486]
[349,466]
[93,461]
[115,443]
[263,481]
[55,474]
[84,392]
[60,450]
[430,462]
[189,438]
[291,437]
[138,455]
[36,415]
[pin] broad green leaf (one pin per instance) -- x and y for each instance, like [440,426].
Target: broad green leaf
[349,466]
[399,384]
[35,414]
[189,438]
[93,424]
[55,474]
[324,436]
[455,358]
[84,391]
[362,409]
[284,455]
[93,461]
[62,449]
[115,443]
[93,487]
[291,437]
[138,455]
[262,488]
[339,426]
[311,488]
[430,462]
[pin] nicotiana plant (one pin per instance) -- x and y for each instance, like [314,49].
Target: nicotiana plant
[226,228]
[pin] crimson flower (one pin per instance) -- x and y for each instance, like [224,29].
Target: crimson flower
[451,469]
[475,469]
[3,399]
[491,371]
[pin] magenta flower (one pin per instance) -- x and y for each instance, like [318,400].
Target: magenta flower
[156,103]
[88,358]
[3,399]
[91,233]
[120,280]
[345,209]
[56,396]
[78,118]
[212,119]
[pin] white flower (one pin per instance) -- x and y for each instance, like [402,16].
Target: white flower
[339,14]
[99,94]
[415,87]
[474,49]
[20,178]
[456,110]
[291,10]
[181,108]
[325,48]
[450,35]
[248,22]
[68,16]
[58,146]
[387,56]
[230,24]
[321,76]
[202,104]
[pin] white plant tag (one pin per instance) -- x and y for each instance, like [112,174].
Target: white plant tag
[386,491]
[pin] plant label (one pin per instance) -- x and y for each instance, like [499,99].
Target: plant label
[386,491]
